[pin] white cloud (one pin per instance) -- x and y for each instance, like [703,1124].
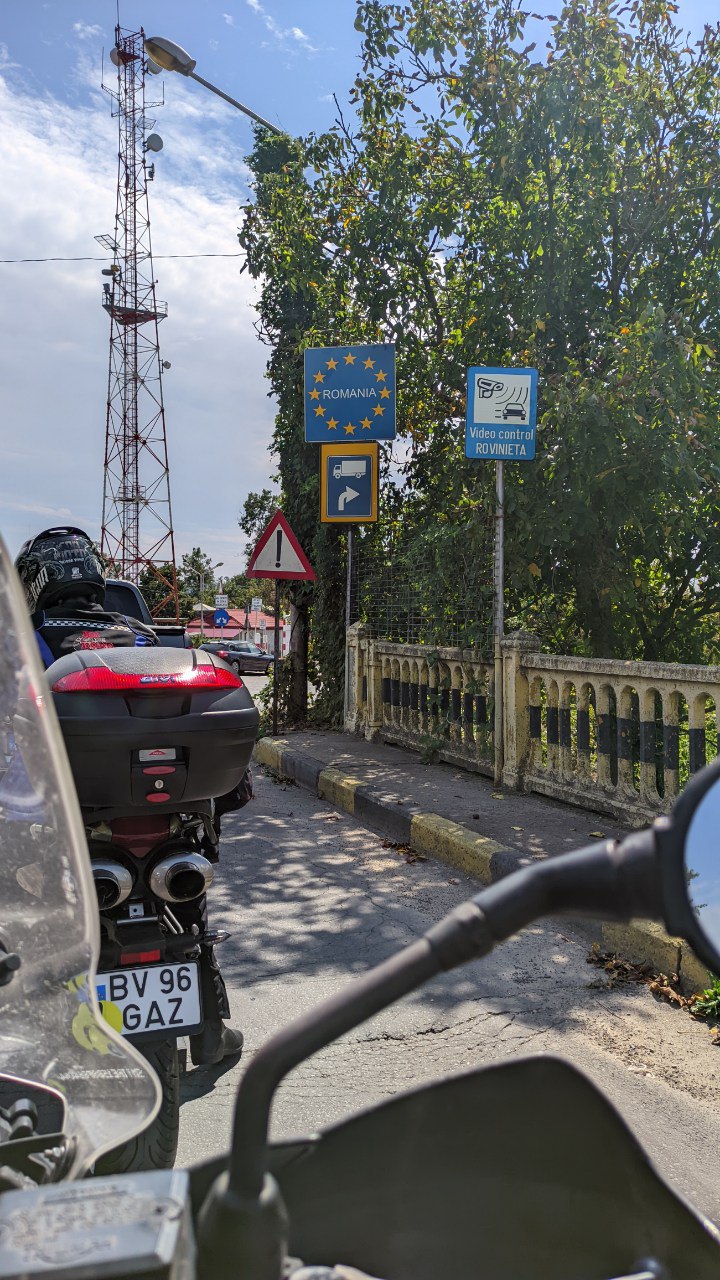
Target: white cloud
[228,18]
[55,513]
[285,36]
[57,191]
[86,32]
[5,61]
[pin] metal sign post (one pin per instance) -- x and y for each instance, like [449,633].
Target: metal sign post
[499,615]
[276,663]
[348,616]
[500,424]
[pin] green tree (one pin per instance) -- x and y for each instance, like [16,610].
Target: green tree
[492,205]
[290,266]
[156,584]
[194,564]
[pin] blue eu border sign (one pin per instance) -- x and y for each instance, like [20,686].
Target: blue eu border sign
[350,393]
[501,414]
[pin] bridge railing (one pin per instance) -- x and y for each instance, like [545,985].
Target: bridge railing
[616,737]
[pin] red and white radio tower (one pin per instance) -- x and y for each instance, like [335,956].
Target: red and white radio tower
[137,530]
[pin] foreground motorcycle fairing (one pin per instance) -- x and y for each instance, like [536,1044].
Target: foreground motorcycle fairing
[51,1031]
[518,1172]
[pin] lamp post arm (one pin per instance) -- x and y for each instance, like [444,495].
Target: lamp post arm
[234,103]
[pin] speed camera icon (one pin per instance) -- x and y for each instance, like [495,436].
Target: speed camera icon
[486,387]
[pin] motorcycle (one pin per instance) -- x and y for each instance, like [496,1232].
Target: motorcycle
[151,734]
[519,1171]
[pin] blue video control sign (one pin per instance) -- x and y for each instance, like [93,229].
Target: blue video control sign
[349,483]
[501,414]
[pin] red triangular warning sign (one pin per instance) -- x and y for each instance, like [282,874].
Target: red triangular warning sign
[278,554]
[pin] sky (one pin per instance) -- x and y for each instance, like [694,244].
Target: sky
[58,160]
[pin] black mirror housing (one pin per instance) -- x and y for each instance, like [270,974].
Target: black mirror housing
[671,834]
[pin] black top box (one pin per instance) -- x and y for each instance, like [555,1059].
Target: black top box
[152,729]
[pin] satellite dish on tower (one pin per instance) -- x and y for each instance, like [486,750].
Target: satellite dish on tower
[115,57]
[153,67]
[153,142]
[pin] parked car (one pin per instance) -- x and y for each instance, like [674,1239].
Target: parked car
[241,655]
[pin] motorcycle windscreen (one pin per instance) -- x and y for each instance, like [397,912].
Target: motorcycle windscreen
[51,1029]
[520,1171]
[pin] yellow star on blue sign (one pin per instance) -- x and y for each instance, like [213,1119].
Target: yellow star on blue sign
[351,386]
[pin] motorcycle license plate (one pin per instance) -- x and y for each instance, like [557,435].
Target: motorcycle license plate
[162,998]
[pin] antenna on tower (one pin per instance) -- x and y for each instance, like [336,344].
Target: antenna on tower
[137,528]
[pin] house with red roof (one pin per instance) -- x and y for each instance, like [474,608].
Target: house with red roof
[243,624]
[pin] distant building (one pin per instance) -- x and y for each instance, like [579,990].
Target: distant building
[243,624]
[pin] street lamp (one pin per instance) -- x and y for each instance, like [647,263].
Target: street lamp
[171,57]
[201,576]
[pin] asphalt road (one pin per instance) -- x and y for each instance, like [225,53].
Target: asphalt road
[255,683]
[312,898]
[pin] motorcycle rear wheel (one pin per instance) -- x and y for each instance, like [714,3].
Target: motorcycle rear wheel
[156,1147]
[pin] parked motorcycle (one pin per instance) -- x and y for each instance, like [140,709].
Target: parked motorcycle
[152,734]
[521,1171]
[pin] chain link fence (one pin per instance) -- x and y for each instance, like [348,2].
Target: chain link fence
[425,586]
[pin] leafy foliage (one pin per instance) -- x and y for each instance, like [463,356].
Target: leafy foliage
[707,1004]
[156,586]
[493,203]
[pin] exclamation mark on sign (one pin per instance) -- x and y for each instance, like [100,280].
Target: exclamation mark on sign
[278,546]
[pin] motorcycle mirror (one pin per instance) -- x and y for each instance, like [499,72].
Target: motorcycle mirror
[689,851]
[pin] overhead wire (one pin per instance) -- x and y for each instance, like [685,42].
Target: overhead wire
[105,258]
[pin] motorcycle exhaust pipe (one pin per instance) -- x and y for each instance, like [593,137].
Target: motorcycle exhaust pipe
[113,882]
[181,878]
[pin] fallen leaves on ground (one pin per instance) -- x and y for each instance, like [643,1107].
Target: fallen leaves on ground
[665,986]
[620,972]
[405,851]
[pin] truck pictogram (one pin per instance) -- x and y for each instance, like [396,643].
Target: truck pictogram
[350,467]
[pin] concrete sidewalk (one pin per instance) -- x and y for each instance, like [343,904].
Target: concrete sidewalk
[462,819]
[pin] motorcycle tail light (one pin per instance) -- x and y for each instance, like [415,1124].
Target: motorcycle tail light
[139,957]
[102,680]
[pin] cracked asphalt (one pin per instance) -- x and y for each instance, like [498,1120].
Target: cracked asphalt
[313,898]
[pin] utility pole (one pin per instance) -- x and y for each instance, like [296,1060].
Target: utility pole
[137,527]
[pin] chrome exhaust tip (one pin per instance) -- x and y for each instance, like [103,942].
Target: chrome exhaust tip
[113,882]
[181,878]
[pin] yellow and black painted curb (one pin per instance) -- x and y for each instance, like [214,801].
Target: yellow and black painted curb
[427,832]
[639,941]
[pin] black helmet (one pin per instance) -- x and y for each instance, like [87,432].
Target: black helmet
[59,563]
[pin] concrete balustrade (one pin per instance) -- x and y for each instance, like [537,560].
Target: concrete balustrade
[616,737]
[438,700]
